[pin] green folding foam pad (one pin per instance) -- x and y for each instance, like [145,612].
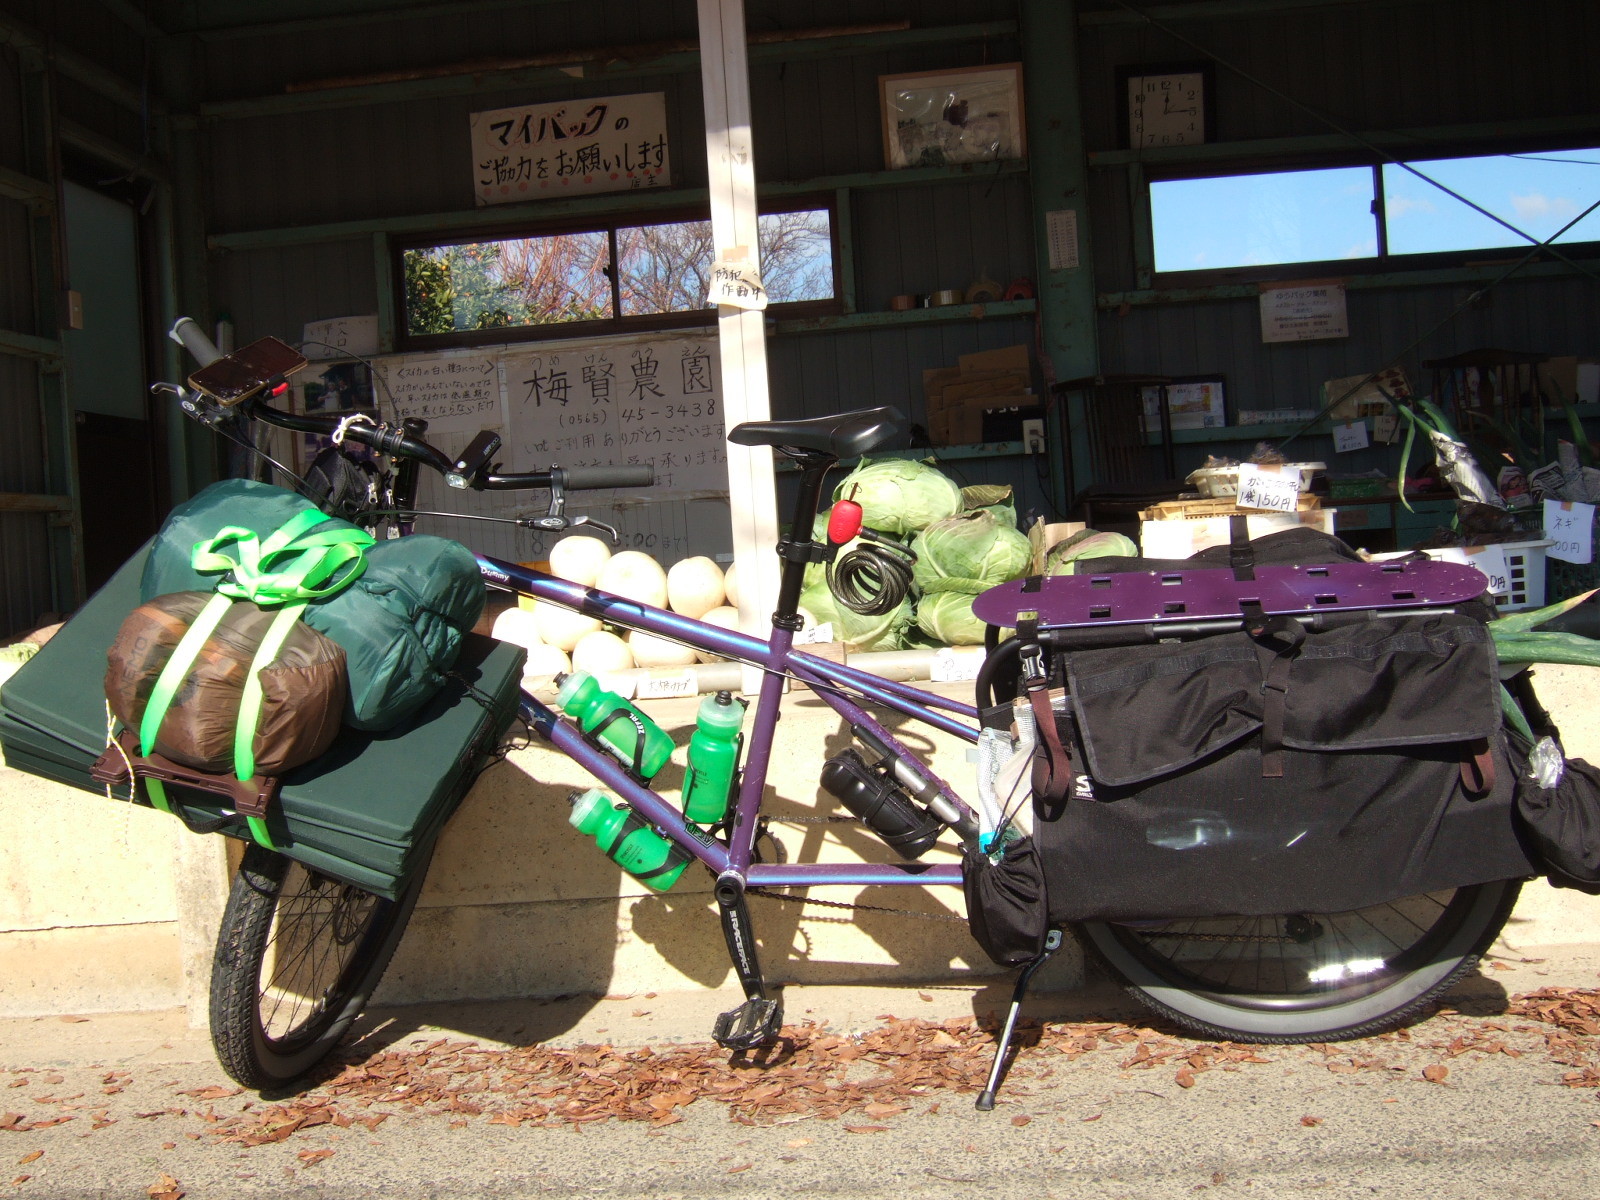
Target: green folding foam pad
[362,812]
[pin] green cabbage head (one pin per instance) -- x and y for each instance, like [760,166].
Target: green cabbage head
[858,632]
[1076,553]
[947,618]
[898,496]
[975,546]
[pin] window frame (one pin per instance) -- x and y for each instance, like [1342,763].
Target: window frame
[617,324]
[1383,262]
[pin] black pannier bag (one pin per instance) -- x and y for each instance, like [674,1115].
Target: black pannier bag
[1274,767]
[1561,824]
[1307,772]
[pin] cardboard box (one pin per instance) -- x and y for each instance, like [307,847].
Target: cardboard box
[1182,539]
[1045,537]
[957,397]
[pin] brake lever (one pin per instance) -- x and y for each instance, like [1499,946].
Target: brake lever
[195,405]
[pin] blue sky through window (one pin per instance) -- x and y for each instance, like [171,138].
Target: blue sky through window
[1326,215]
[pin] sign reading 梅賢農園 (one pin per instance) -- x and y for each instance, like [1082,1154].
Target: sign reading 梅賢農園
[597,144]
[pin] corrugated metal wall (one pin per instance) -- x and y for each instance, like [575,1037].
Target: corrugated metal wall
[1370,67]
[812,118]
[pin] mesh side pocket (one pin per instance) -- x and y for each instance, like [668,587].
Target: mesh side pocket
[1006,908]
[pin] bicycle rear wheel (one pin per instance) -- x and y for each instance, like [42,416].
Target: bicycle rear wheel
[297,957]
[1305,977]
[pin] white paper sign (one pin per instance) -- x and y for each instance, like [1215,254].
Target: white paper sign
[1350,436]
[545,151]
[1303,313]
[815,636]
[1491,560]
[339,337]
[951,666]
[455,392]
[1061,235]
[1268,488]
[1570,526]
[1386,428]
[736,282]
[660,687]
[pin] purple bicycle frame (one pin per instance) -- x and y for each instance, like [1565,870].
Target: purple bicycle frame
[833,682]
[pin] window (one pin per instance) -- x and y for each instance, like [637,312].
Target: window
[1332,215]
[624,275]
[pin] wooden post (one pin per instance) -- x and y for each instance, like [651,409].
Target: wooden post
[741,334]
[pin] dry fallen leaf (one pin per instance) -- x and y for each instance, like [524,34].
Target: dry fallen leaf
[213,1092]
[796,1143]
[1185,1077]
[312,1157]
[1094,1117]
[740,1167]
[1435,1073]
[30,1156]
[1020,1121]
[165,1188]
[866,1129]
[20,1180]
[1311,1122]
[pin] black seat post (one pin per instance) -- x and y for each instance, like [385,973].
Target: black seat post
[800,549]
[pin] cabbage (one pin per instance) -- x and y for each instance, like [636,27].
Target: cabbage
[899,496]
[947,618]
[975,546]
[1064,557]
[857,632]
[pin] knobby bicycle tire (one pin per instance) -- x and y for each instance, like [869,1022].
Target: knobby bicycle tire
[298,955]
[1287,979]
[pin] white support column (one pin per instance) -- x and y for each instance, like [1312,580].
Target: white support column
[741,334]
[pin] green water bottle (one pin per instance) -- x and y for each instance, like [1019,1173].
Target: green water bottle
[713,758]
[627,839]
[627,733]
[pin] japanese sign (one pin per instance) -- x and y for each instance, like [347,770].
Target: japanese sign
[456,393]
[595,404]
[600,144]
[736,282]
[1570,526]
[1269,488]
[1303,312]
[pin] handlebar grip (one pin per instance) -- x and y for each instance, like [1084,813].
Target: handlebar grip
[188,334]
[578,479]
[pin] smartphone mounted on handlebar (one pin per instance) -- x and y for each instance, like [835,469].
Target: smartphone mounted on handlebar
[248,371]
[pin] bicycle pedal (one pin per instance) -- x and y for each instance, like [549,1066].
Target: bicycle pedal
[754,1023]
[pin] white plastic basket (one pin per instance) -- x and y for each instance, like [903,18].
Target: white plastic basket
[1224,481]
[1524,570]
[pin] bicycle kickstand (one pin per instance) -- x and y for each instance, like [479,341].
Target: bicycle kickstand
[755,1022]
[1052,943]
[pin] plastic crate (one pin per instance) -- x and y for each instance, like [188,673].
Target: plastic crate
[1525,569]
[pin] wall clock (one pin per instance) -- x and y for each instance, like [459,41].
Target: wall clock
[1166,106]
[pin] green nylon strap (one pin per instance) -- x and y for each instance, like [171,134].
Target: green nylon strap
[244,729]
[177,670]
[292,563]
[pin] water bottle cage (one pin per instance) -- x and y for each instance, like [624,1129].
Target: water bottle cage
[593,736]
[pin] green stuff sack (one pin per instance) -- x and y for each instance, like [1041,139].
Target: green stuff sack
[400,624]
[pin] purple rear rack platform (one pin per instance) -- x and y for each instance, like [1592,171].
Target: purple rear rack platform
[1211,593]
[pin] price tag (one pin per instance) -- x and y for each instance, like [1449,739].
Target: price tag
[736,282]
[1269,488]
[1491,560]
[816,635]
[1570,525]
[949,666]
[660,687]
[1386,428]
[1350,436]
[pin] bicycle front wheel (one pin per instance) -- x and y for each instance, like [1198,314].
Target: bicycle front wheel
[1305,977]
[297,957]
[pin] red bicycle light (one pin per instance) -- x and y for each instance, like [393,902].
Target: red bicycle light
[279,390]
[844,522]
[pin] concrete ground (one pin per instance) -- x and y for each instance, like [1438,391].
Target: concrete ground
[1492,1096]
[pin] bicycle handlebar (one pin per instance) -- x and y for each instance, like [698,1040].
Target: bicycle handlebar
[403,441]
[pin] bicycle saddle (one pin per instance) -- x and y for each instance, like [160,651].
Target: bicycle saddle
[842,435]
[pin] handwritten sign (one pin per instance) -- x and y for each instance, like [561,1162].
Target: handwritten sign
[1570,526]
[1350,436]
[340,336]
[1268,488]
[1491,560]
[736,282]
[603,403]
[455,393]
[1303,312]
[543,151]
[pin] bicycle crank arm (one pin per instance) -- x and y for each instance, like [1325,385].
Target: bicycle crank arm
[755,1022]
